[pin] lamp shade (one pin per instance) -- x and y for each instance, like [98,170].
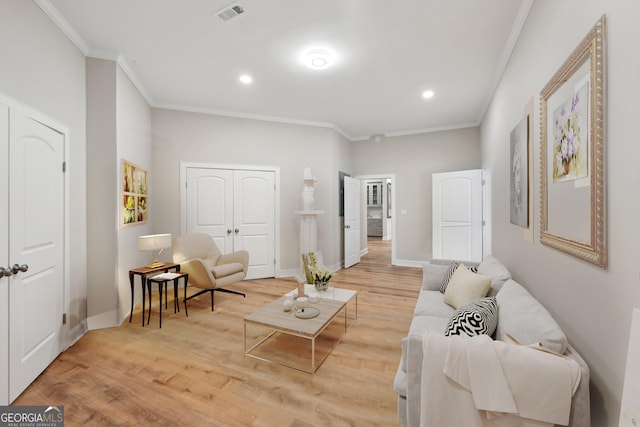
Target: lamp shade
[154,242]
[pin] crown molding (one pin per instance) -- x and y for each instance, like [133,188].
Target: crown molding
[261,117]
[64,25]
[433,129]
[514,35]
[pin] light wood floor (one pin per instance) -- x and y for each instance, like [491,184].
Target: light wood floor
[192,372]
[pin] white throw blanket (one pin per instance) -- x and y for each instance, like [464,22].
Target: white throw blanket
[480,382]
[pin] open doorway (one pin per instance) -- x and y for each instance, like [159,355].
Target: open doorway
[378,217]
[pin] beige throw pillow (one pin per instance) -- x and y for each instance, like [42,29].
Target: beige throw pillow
[465,286]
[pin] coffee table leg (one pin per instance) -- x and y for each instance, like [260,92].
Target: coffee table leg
[313,355]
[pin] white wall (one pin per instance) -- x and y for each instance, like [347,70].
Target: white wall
[118,128]
[102,197]
[133,131]
[413,158]
[193,137]
[593,306]
[42,69]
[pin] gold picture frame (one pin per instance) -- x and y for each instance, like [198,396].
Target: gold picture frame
[572,153]
[134,203]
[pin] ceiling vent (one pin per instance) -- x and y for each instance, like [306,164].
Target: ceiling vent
[230,12]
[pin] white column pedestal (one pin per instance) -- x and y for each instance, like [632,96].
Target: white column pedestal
[308,233]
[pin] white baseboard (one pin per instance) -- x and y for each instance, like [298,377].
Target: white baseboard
[407,263]
[293,272]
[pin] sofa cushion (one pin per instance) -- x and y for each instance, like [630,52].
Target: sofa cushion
[490,266]
[476,318]
[224,270]
[465,286]
[450,270]
[432,275]
[525,319]
[431,303]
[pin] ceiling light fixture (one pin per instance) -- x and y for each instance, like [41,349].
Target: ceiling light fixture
[318,59]
[246,79]
[428,94]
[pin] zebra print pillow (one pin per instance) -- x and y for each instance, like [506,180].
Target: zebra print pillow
[476,318]
[452,269]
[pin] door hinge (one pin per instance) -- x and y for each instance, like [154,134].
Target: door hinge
[64,318]
[64,167]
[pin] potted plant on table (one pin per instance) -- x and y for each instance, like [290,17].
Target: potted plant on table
[321,277]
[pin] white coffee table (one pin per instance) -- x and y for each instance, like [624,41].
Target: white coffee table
[347,296]
[285,343]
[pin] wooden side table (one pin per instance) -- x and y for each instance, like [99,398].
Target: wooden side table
[143,272]
[162,280]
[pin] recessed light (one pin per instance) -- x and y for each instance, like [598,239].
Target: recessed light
[318,59]
[246,79]
[427,94]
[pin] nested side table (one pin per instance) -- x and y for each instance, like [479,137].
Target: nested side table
[162,280]
[143,272]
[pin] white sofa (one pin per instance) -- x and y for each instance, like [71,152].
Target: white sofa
[520,316]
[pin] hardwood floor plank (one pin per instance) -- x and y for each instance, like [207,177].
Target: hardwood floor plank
[193,370]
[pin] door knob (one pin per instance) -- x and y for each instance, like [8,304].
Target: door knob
[5,272]
[237,230]
[228,231]
[19,268]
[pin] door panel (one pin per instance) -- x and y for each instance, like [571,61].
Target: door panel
[457,215]
[36,237]
[210,205]
[254,220]
[351,221]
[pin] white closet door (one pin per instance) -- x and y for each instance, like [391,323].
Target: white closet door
[210,205]
[4,255]
[36,239]
[254,220]
[457,215]
[236,208]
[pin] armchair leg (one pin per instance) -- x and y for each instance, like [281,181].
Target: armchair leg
[230,292]
[197,294]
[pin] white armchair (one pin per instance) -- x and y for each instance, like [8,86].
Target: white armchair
[209,269]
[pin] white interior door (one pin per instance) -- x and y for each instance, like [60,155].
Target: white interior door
[210,205]
[4,255]
[351,221]
[36,239]
[457,215]
[254,220]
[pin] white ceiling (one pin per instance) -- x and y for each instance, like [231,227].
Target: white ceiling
[182,56]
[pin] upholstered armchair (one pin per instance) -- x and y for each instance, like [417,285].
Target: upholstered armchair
[209,269]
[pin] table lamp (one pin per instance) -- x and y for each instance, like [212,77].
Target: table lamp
[154,244]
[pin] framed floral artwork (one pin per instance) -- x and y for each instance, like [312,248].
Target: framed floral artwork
[135,198]
[572,148]
[571,136]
